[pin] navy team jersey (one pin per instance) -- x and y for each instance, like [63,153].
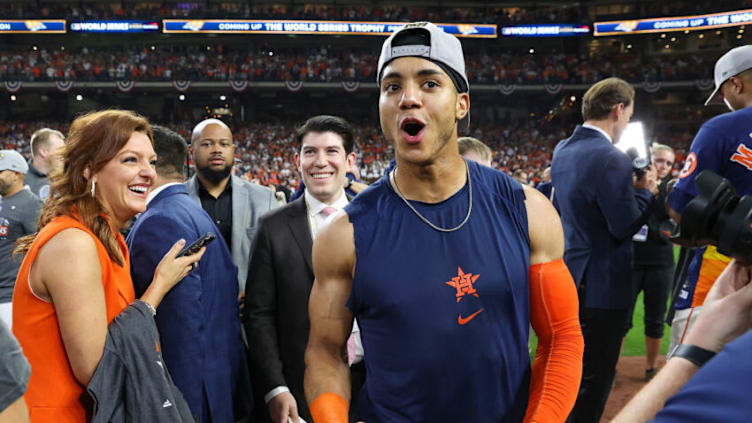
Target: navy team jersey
[444,317]
[724,146]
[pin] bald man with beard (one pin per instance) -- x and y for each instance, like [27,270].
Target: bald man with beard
[234,204]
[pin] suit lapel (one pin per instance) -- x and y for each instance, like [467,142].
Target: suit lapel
[300,228]
[192,187]
[241,213]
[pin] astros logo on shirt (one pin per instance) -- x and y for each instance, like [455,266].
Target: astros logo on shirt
[689,165]
[464,284]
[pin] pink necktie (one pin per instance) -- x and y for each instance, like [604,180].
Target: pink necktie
[327,211]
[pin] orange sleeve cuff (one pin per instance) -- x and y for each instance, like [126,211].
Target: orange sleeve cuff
[329,408]
[557,368]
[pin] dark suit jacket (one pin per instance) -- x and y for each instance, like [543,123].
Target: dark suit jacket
[279,283]
[198,319]
[600,211]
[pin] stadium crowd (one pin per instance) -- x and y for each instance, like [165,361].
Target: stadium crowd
[326,64]
[265,151]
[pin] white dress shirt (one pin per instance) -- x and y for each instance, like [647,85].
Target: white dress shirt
[595,128]
[316,219]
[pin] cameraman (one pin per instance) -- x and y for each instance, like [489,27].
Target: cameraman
[724,146]
[654,263]
[600,211]
[719,391]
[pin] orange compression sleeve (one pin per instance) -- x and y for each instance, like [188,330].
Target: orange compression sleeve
[557,368]
[329,408]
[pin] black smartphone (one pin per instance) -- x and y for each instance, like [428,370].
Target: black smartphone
[197,244]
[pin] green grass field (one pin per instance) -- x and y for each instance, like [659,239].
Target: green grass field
[634,344]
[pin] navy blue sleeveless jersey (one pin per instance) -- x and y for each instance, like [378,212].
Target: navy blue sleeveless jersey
[444,317]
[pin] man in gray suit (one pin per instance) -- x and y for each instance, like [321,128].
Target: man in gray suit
[233,203]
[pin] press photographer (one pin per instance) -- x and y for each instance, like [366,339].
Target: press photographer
[654,263]
[719,391]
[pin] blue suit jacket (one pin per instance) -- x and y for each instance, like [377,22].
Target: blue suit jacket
[198,319]
[600,211]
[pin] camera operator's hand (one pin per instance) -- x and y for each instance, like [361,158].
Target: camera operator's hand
[727,310]
[649,180]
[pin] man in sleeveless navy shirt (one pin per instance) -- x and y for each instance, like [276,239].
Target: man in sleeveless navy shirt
[444,263]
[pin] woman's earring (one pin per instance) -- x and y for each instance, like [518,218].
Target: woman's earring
[93,187]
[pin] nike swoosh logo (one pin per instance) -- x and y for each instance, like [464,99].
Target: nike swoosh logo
[463,320]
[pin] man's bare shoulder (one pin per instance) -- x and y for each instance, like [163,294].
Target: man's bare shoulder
[544,227]
[334,246]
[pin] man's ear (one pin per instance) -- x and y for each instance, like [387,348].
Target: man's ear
[296,160]
[737,84]
[462,105]
[617,111]
[351,159]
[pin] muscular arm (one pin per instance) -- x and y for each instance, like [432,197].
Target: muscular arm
[327,371]
[557,367]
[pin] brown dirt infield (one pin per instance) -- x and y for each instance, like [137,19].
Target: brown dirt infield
[630,378]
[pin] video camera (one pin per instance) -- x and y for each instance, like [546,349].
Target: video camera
[717,216]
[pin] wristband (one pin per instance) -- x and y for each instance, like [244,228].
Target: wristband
[329,408]
[151,308]
[695,354]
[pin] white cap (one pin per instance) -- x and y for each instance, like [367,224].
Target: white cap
[13,160]
[443,48]
[734,62]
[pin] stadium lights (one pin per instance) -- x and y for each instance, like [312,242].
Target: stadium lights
[181,97]
[663,35]
[629,45]
[673,39]
[222,97]
[208,48]
[668,46]
[62,48]
[35,48]
[739,37]
[531,51]
[271,53]
[572,99]
[701,36]
[633,138]
[79,97]
[153,48]
[12,97]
